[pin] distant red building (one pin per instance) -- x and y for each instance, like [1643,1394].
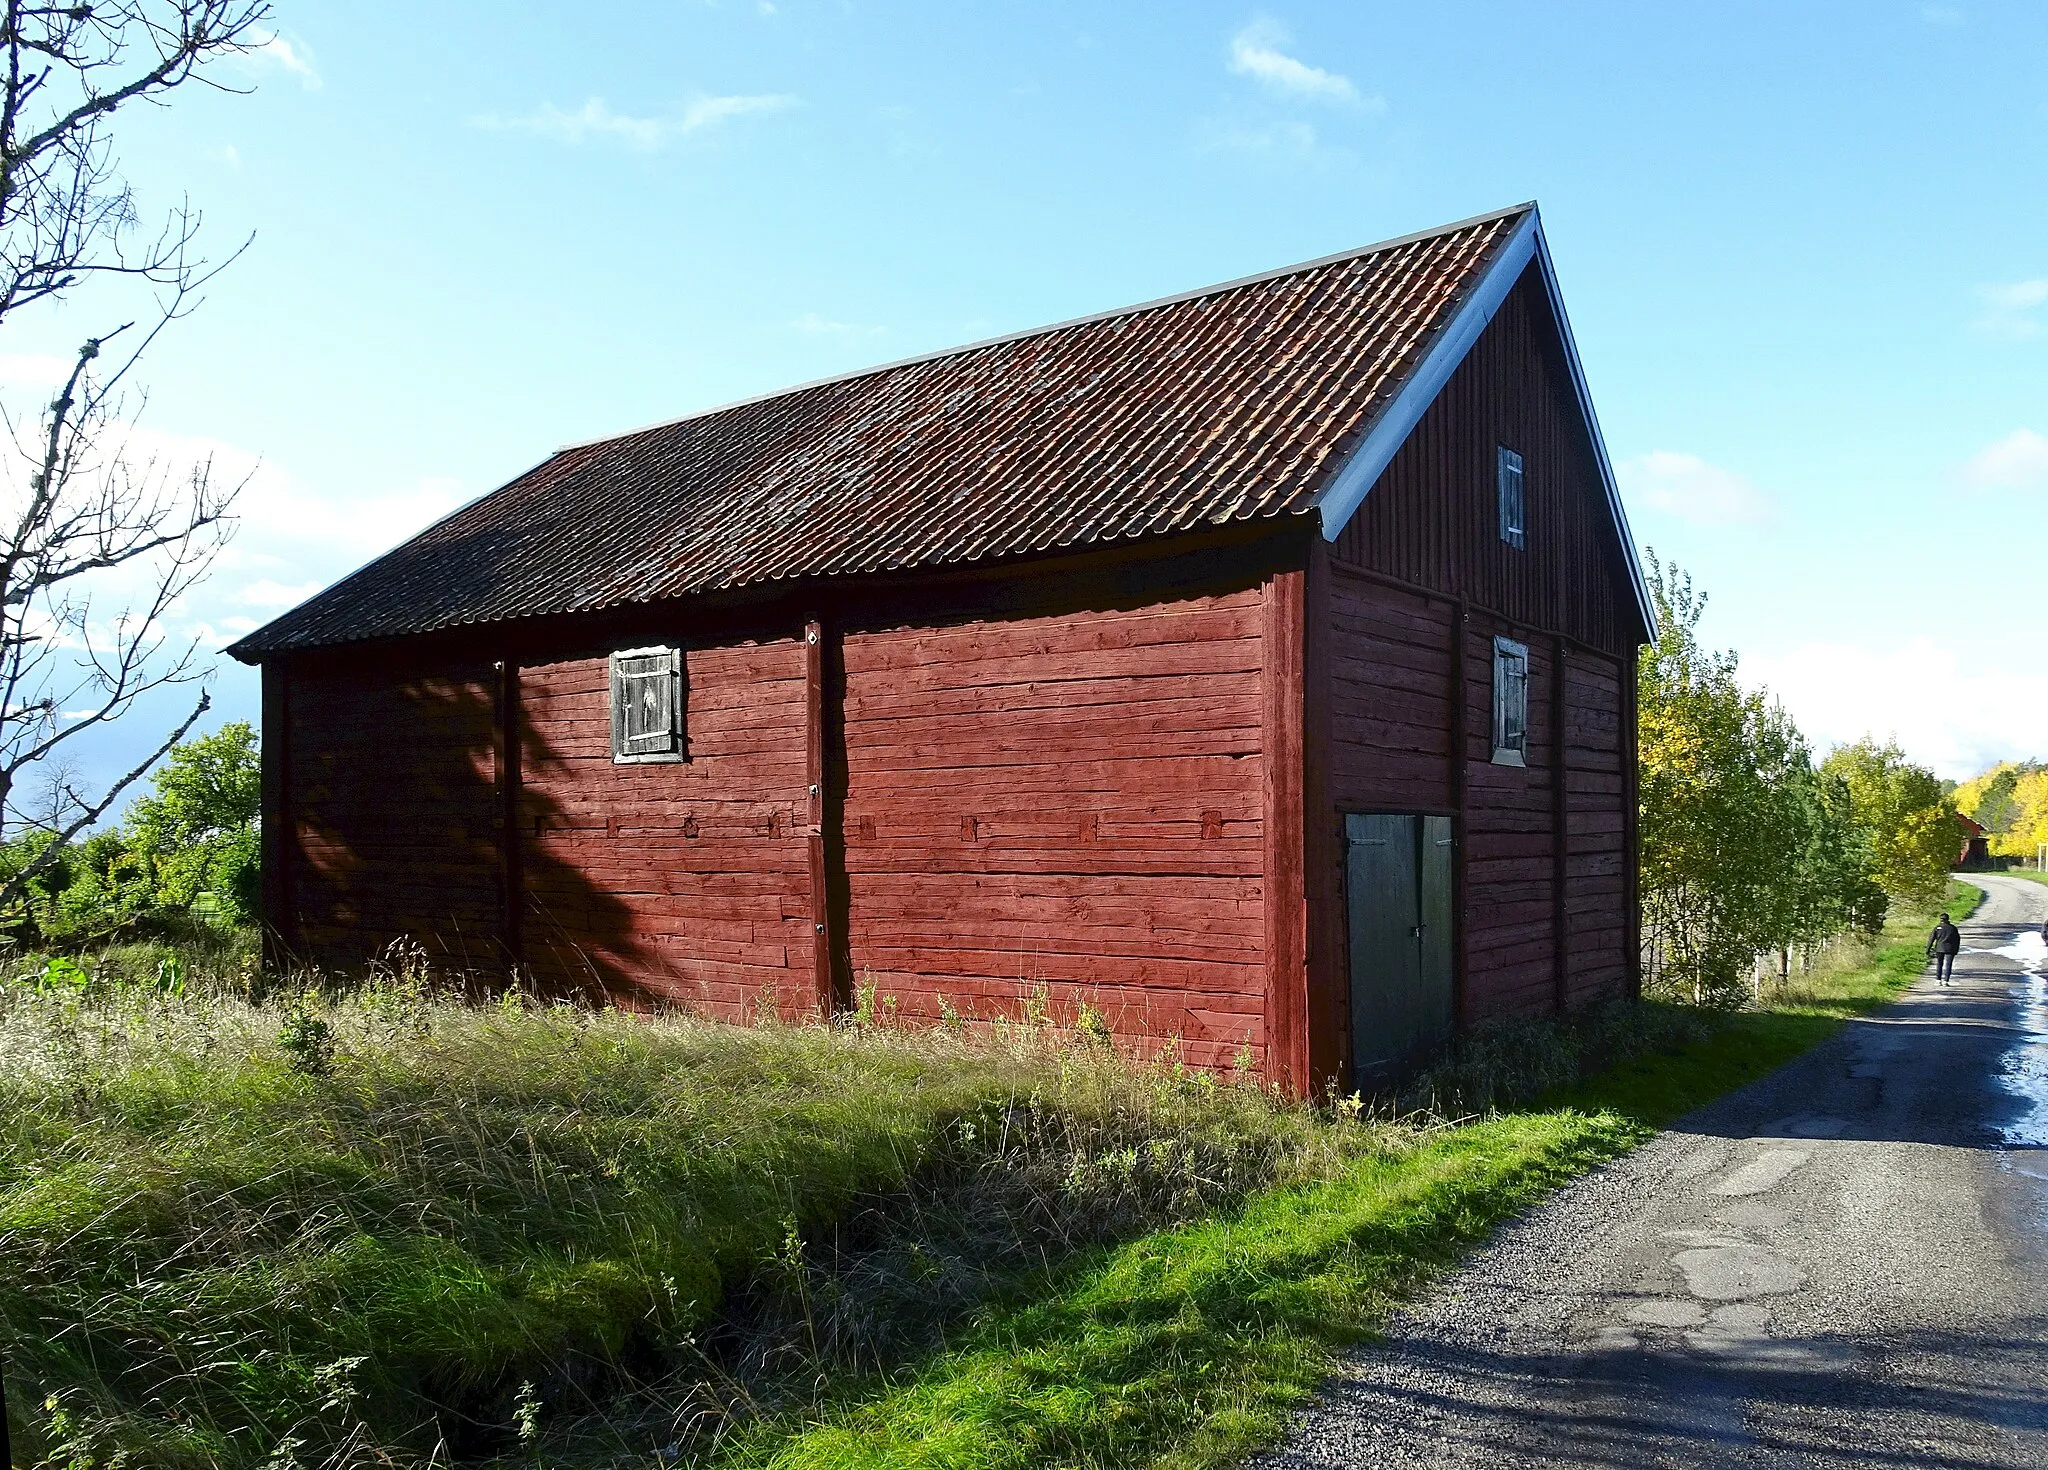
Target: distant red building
[1255,666]
[1976,852]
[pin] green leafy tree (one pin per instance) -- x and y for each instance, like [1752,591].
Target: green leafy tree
[1908,823]
[1706,808]
[1832,891]
[1746,848]
[188,848]
[197,830]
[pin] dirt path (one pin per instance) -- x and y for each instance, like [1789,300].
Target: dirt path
[1845,1264]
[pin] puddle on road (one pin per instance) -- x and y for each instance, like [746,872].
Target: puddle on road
[2025,1074]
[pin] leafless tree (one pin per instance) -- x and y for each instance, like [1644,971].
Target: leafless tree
[97,542]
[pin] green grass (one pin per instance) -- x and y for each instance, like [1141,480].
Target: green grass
[749,1247]
[211,1244]
[1753,1043]
[2027,873]
[1188,1348]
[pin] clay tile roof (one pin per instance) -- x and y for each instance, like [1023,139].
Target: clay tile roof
[1229,404]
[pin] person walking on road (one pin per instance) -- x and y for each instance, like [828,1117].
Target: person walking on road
[1942,947]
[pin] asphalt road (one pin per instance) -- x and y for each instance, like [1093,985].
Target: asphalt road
[1844,1264]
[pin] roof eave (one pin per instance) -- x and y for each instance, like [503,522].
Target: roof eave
[253,647]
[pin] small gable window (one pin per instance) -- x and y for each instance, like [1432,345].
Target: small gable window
[1513,503]
[647,705]
[1510,702]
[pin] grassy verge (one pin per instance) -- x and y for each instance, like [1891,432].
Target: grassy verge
[395,1230]
[386,1228]
[1751,1044]
[1189,1347]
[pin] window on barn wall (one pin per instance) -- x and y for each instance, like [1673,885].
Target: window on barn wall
[647,705]
[1514,517]
[1510,702]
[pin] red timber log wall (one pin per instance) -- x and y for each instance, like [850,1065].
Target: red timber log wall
[683,883]
[389,794]
[1419,584]
[1048,790]
[686,882]
[1067,806]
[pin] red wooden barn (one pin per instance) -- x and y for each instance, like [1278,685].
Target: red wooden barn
[1255,666]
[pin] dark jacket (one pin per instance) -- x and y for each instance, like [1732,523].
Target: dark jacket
[1946,939]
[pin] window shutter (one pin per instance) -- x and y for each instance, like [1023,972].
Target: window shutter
[647,704]
[1513,499]
[1510,702]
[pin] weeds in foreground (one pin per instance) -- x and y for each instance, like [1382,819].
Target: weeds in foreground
[386,1223]
[385,1226]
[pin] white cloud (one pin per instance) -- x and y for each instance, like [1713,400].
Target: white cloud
[2010,310]
[596,121]
[1957,716]
[707,111]
[1255,52]
[813,325]
[1288,142]
[1687,487]
[265,593]
[291,539]
[2019,461]
[37,370]
[292,57]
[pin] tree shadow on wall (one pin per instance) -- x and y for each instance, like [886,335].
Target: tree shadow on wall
[404,829]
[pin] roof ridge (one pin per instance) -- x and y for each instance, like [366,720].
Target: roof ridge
[941,353]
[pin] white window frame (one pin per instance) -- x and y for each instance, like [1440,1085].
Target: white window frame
[1510,702]
[635,665]
[1511,485]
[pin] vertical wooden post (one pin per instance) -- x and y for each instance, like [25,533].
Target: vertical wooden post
[1284,624]
[511,864]
[278,838]
[1460,739]
[814,822]
[825,758]
[1560,828]
[1326,964]
[1631,876]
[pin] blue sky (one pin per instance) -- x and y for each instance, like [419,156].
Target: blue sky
[1805,249]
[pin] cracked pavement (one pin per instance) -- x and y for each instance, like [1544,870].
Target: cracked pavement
[1843,1264]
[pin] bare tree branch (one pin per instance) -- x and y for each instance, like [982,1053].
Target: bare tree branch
[98,545]
[86,813]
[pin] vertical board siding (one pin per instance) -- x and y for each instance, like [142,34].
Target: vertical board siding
[1432,518]
[1066,804]
[686,882]
[393,801]
[1424,544]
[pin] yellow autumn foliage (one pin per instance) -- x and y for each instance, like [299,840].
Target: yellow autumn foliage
[2011,801]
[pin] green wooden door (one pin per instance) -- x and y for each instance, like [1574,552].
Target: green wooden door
[1398,892]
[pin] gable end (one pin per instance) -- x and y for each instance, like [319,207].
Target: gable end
[1341,497]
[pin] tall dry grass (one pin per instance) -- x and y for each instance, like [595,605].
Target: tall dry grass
[388,1226]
